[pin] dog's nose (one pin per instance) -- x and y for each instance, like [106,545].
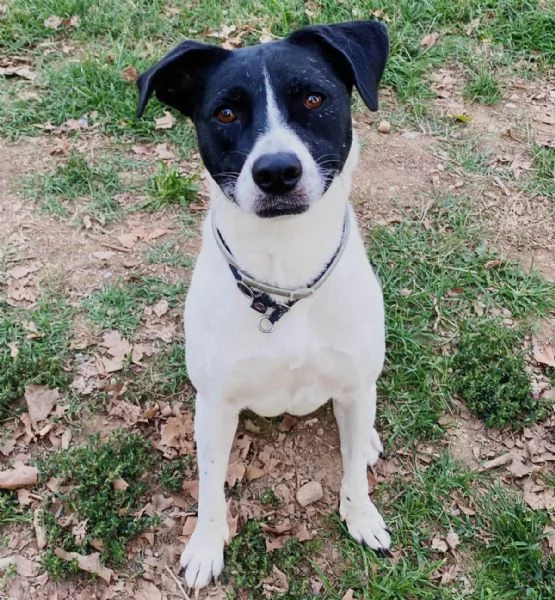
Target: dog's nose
[277,173]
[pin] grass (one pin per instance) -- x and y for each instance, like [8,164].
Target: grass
[89,497]
[34,349]
[111,37]
[120,306]
[168,187]
[489,371]
[433,277]
[168,253]
[79,181]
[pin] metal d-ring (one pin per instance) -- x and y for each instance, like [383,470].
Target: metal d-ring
[265,325]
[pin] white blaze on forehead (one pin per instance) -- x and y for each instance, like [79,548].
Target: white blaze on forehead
[275,118]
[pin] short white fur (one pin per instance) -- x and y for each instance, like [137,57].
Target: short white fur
[328,346]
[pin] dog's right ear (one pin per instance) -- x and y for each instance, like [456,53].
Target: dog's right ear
[173,78]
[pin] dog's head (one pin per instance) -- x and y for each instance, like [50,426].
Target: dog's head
[273,121]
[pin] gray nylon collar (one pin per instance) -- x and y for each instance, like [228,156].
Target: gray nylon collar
[249,281]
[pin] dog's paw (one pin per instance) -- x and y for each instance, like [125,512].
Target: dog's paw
[375,449]
[365,524]
[203,558]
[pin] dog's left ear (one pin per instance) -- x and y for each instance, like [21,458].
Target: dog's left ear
[362,48]
[173,79]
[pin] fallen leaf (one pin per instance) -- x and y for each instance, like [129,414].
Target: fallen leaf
[40,533]
[429,40]
[161,307]
[40,401]
[130,74]
[439,545]
[544,354]
[53,22]
[519,469]
[146,590]
[275,582]
[503,459]
[119,485]
[89,563]
[20,476]
[550,533]
[452,539]
[253,472]
[162,151]
[165,122]
[24,566]
[348,595]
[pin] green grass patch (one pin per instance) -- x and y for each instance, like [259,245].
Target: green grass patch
[247,562]
[483,87]
[120,306]
[34,348]
[433,270]
[168,253]
[512,563]
[169,188]
[490,374]
[11,511]
[60,191]
[89,503]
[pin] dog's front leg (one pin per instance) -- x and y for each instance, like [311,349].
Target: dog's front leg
[203,557]
[355,418]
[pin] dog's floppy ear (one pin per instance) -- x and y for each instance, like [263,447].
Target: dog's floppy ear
[173,78]
[362,47]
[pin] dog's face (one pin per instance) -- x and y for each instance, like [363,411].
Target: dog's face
[273,121]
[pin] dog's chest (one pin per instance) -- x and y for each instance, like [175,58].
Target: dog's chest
[296,383]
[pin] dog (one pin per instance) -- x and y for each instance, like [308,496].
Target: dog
[284,311]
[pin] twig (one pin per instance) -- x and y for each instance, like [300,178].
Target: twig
[178,583]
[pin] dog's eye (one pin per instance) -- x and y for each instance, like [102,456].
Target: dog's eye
[226,115]
[313,100]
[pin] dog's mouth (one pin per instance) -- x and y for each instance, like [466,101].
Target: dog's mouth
[270,206]
[278,210]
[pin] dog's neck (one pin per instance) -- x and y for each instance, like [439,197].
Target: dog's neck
[291,251]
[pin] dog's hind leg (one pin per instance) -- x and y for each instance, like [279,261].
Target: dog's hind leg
[364,522]
[203,557]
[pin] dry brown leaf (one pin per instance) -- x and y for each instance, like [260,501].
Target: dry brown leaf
[119,485]
[89,563]
[177,433]
[20,476]
[191,487]
[309,493]
[253,472]
[550,533]
[519,469]
[439,544]
[130,413]
[53,22]
[24,566]
[165,122]
[40,532]
[162,151]
[544,354]
[348,595]
[117,346]
[161,307]
[452,539]
[275,582]
[146,590]
[235,472]
[429,40]
[130,74]
[40,401]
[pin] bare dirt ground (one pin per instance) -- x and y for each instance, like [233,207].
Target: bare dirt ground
[401,170]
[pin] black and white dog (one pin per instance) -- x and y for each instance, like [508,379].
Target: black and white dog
[283,311]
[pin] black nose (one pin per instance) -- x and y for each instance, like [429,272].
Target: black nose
[277,173]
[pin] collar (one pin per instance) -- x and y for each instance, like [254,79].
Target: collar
[259,291]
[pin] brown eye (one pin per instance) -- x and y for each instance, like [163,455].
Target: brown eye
[226,115]
[313,101]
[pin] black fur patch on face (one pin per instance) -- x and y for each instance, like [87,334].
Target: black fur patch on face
[238,83]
